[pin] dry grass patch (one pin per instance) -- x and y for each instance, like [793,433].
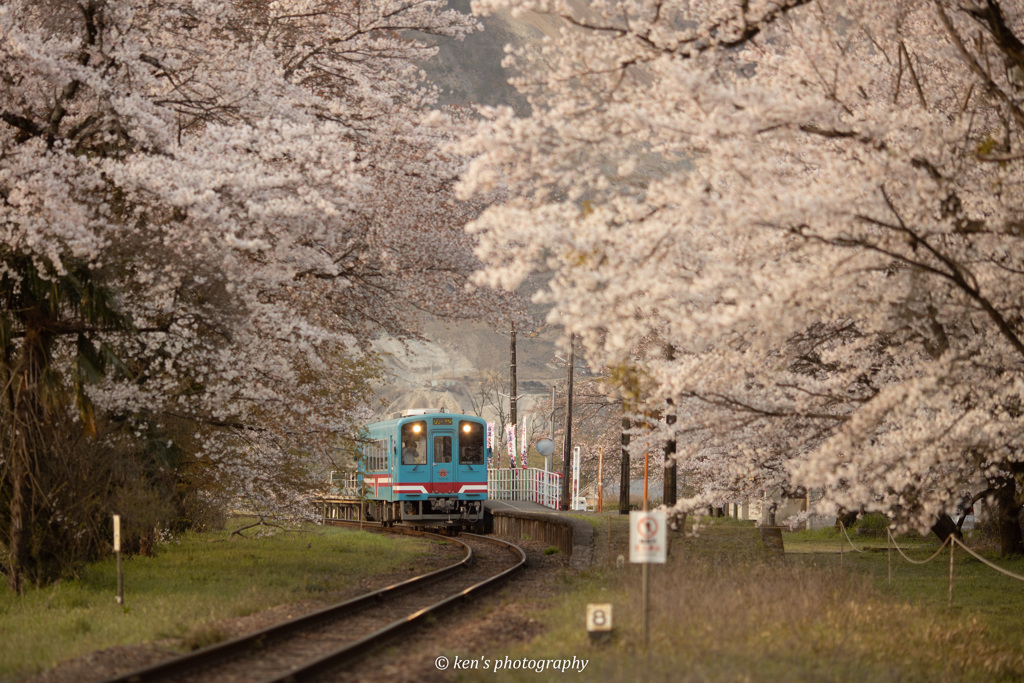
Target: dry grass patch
[718,613]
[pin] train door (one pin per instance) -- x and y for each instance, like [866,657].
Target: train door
[442,469]
[415,465]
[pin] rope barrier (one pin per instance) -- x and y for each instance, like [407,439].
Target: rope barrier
[982,559]
[953,542]
[916,561]
[843,527]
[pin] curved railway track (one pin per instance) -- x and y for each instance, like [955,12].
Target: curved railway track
[330,639]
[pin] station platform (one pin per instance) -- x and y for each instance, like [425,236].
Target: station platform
[520,519]
[516,506]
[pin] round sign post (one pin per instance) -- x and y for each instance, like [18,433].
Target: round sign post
[546,447]
[647,544]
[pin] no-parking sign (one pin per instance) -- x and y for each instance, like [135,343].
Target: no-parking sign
[647,538]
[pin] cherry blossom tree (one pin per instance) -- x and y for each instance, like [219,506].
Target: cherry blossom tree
[208,209]
[815,205]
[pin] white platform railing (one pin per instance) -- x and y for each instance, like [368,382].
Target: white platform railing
[343,484]
[531,484]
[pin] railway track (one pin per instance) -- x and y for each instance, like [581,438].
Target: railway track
[331,639]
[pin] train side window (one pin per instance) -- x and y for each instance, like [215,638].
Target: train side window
[373,454]
[471,443]
[442,449]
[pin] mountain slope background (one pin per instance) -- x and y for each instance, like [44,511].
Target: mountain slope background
[457,363]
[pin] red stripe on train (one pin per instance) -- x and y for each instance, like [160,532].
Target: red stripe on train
[441,487]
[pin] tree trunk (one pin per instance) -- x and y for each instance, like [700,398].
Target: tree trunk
[669,495]
[945,527]
[19,507]
[846,519]
[1008,518]
[624,470]
[26,410]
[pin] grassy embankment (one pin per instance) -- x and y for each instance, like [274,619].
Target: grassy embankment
[192,583]
[720,612]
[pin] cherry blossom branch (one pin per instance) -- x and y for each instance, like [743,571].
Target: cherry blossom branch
[990,85]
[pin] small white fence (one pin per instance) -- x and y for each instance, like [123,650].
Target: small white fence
[531,484]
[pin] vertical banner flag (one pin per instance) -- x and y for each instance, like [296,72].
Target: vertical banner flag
[510,438]
[575,478]
[524,448]
[490,443]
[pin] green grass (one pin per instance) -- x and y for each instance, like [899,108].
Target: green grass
[591,518]
[981,595]
[717,614]
[191,583]
[827,540]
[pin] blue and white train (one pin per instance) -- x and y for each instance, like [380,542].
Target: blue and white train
[424,468]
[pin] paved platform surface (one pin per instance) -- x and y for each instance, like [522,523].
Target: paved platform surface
[519,505]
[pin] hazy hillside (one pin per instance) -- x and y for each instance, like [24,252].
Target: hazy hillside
[454,367]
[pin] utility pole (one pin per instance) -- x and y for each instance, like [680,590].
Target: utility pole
[552,413]
[549,458]
[567,445]
[512,381]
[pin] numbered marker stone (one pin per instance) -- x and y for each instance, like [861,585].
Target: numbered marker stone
[599,618]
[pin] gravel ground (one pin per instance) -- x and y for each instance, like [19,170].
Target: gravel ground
[506,617]
[469,630]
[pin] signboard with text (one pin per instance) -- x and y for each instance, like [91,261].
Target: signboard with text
[648,542]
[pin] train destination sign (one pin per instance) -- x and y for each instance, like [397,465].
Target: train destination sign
[647,537]
[442,420]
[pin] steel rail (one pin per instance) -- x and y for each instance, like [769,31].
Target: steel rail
[360,648]
[239,646]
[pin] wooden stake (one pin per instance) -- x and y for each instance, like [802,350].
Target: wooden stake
[888,552]
[952,546]
[842,530]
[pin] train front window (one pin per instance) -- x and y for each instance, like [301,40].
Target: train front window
[443,449]
[471,443]
[414,443]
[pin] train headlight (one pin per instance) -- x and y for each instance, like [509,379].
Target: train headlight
[467,428]
[416,429]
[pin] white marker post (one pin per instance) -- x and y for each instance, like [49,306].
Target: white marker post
[117,550]
[647,545]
